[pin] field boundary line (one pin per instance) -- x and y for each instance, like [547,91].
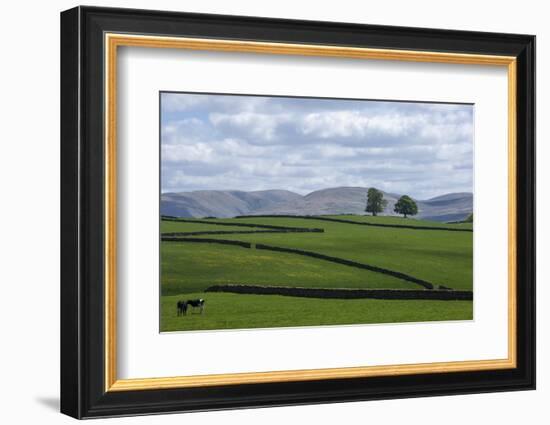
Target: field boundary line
[207,240]
[241,232]
[341,220]
[344,293]
[350,263]
[261,226]
[311,254]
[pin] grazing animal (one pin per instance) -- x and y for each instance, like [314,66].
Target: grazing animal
[197,304]
[182,308]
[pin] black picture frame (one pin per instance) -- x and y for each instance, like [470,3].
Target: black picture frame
[82,218]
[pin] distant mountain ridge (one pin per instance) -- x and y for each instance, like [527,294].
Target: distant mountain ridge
[221,203]
[337,200]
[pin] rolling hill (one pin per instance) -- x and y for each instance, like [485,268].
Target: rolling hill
[338,200]
[222,203]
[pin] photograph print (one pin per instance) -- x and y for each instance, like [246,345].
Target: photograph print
[295,211]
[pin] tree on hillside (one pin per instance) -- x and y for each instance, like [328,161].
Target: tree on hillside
[470,218]
[406,206]
[375,201]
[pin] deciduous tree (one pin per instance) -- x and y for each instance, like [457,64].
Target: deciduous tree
[375,201]
[406,206]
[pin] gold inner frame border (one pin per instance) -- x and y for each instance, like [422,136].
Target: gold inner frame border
[112,41]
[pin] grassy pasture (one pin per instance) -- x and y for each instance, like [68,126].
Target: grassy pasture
[174,226]
[231,311]
[190,267]
[400,221]
[440,257]
[187,269]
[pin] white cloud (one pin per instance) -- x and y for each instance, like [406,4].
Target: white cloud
[255,126]
[253,143]
[356,124]
[197,152]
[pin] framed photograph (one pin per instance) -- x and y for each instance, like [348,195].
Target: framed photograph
[261,212]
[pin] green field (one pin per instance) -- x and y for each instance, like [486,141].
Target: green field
[231,311]
[436,256]
[400,221]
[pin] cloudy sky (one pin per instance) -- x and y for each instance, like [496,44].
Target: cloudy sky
[250,143]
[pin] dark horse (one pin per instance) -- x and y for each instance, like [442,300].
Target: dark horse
[182,308]
[197,304]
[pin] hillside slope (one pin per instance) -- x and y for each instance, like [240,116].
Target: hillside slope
[338,200]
